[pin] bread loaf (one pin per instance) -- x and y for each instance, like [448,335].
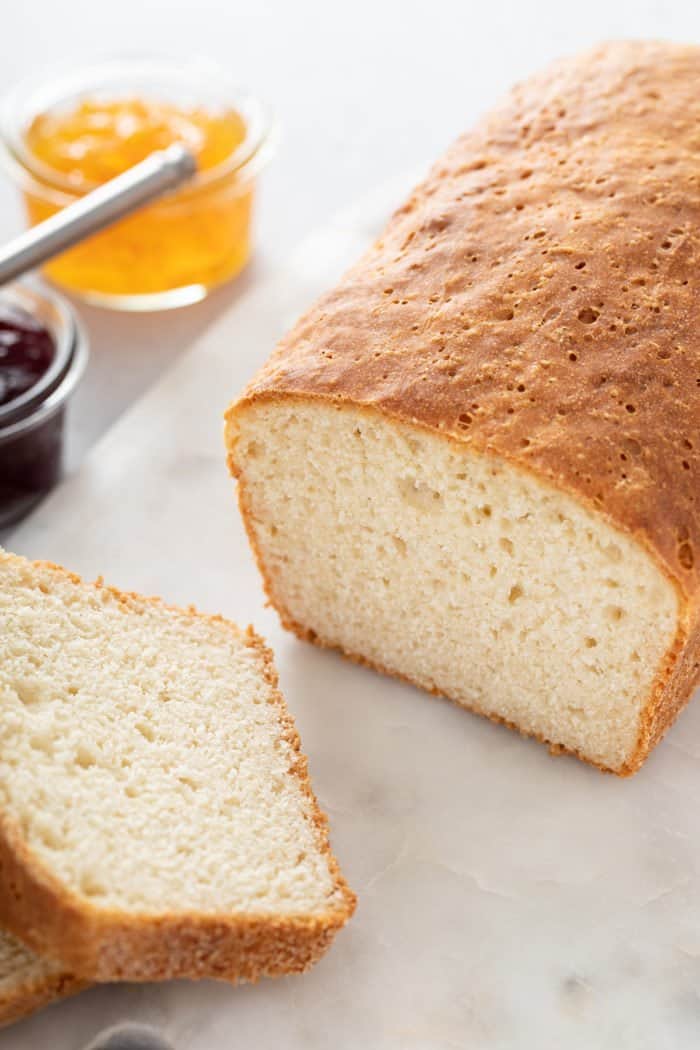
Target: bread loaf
[475,463]
[26,982]
[156,817]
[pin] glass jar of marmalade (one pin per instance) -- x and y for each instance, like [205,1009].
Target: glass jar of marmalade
[67,134]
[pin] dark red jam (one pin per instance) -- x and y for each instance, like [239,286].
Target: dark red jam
[26,352]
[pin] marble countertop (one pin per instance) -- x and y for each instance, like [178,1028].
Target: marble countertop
[508,900]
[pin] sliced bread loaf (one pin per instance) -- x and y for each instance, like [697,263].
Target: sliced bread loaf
[475,462]
[156,817]
[27,982]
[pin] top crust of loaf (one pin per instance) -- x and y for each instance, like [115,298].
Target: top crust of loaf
[537,297]
[105,944]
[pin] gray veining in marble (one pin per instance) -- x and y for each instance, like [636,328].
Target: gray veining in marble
[507,899]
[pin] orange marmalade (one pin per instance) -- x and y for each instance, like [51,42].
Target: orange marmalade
[169,252]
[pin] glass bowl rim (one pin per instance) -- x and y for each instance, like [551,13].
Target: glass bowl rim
[59,84]
[59,320]
[74,365]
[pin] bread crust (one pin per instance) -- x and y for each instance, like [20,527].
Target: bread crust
[33,993]
[536,300]
[100,944]
[421,328]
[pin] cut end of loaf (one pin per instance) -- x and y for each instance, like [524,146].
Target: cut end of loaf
[462,573]
[156,817]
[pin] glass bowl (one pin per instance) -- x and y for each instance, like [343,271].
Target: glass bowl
[171,252]
[32,425]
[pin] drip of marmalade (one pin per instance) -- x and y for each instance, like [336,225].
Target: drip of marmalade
[194,239]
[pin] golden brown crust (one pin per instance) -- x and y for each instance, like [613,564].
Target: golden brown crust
[300,769]
[35,993]
[104,944]
[536,299]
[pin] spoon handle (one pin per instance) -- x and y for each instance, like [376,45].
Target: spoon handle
[152,177]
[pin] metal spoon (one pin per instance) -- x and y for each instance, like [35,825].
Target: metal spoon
[157,174]
[130,1037]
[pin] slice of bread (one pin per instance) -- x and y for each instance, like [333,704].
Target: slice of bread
[156,817]
[27,982]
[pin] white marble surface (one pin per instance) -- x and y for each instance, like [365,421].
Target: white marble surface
[508,900]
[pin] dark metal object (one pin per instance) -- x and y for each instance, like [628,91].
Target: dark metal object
[130,1037]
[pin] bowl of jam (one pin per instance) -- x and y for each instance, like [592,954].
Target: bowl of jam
[65,133]
[43,353]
